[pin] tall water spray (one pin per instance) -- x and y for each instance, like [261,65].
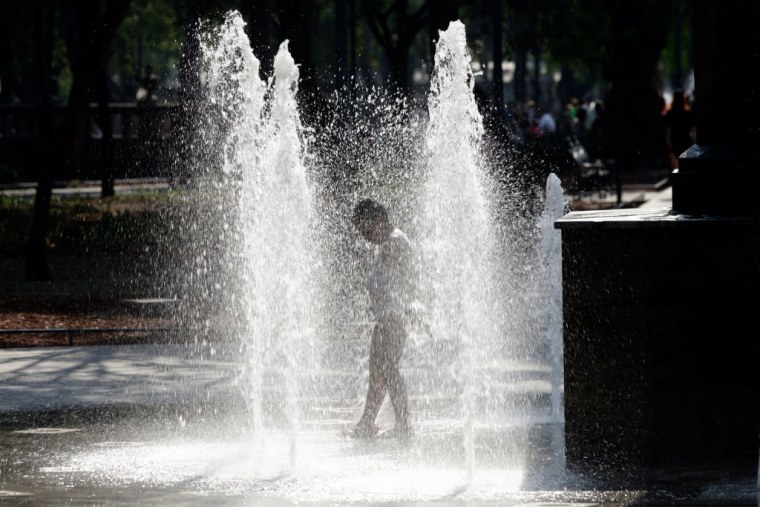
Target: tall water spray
[551,277]
[255,262]
[554,209]
[459,369]
[456,226]
[264,165]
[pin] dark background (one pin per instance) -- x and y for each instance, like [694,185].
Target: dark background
[97,89]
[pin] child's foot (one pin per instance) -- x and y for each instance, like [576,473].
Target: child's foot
[362,431]
[399,432]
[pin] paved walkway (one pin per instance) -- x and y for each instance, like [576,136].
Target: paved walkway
[38,379]
[91,463]
[659,200]
[62,377]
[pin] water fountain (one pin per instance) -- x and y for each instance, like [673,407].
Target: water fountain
[272,278]
[551,247]
[554,209]
[457,235]
[486,414]
[459,365]
[273,214]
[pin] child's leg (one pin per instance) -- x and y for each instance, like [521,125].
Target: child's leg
[394,338]
[377,384]
[399,399]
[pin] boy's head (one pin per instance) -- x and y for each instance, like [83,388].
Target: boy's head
[371,220]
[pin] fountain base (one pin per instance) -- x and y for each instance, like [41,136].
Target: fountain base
[661,348]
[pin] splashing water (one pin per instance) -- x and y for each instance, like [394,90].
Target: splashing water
[551,249]
[295,268]
[272,275]
[282,275]
[457,229]
[258,264]
[264,158]
[552,253]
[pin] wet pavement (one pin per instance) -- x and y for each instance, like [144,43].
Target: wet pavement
[162,424]
[37,379]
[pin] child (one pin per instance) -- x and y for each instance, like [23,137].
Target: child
[391,286]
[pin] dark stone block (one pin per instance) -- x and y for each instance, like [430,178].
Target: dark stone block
[662,344]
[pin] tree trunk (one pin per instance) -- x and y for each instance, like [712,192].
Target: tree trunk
[677,81]
[396,38]
[633,105]
[399,70]
[341,43]
[189,92]
[399,59]
[497,40]
[37,267]
[352,67]
[537,73]
[107,187]
[88,37]
[521,74]
[567,88]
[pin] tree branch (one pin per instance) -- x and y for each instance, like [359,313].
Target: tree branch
[379,26]
[419,18]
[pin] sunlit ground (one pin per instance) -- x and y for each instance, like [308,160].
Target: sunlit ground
[200,451]
[204,463]
[328,468]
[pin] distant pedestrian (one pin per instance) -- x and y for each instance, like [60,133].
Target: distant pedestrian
[546,123]
[580,132]
[599,136]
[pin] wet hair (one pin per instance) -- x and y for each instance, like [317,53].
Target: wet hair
[367,210]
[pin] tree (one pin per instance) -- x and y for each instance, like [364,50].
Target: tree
[18,50]
[341,43]
[396,24]
[522,36]
[37,267]
[633,104]
[90,26]
[90,29]
[395,27]
[497,43]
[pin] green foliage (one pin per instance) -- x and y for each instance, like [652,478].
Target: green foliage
[15,222]
[573,33]
[577,34]
[118,226]
[151,34]
[570,33]
[10,174]
[668,54]
[17,52]
[61,65]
